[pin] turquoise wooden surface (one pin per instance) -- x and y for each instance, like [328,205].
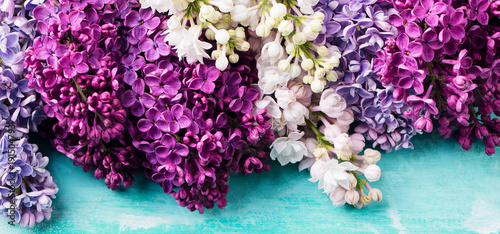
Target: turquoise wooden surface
[435,188]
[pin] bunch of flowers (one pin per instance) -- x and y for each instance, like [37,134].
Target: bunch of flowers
[18,103]
[74,65]
[354,31]
[293,71]
[26,187]
[198,123]
[444,64]
[313,121]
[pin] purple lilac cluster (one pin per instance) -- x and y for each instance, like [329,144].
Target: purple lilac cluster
[444,64]
[26,187]
[200,123]
[74,65]
[355,31]
[18,103]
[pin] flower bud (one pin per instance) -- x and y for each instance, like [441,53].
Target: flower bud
[372,156]
[319,73]
[240,33]
[315,26]
[295,70]
[290,48]
[262,31]
[210,35]
[359,205]
[285,27]
[270,23]
[234,58]
[222,36]
[299,38]
[323,51]
[365,199]
[317,86]
[332,76]
[284,65]
[307,64]
[352,181]
[351,197]
[345,155]
[215,54]
[337,196]
[375,194]
[221,63]
[320,153]
[307,79]
[372,173]
[244,46]
[278,11]
[334,61]
[319,16]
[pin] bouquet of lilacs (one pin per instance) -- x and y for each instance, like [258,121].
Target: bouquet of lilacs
[444,64]
[26,187]
[122,99]
[200,126]
[74,65]
[355,31]
[194,122]
[296,82]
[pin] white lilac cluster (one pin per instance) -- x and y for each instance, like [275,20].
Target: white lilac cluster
[313,130]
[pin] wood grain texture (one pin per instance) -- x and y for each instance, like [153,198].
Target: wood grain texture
[435,188]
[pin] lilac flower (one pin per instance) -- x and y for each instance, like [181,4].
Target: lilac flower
[136,99]
[9,46]
[168,83]
[245,101]
[452,27]
[352,93]
[406,19]
[429,11]
[170,151]
[73,65]
[154,124]
[176,119]
[141,21]
[478,11]
[51,51]
[230,85]
[70,21]
[411,78]
[154,48]
[409,50]
[205,79]
[132,63]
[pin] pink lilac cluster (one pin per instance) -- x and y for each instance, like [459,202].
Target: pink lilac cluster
[26,186]
[74,65]
[355,31]
[444,64]
[195,123]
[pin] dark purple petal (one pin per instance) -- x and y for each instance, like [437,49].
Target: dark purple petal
[128,98]
[137,109]
[144,125]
